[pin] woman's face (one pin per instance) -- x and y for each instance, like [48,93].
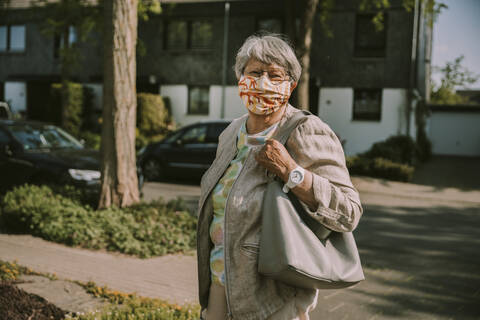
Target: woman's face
[264,88]
[256,68]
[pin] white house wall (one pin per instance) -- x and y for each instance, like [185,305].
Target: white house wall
[336,109]
[455,133]
[16,95]
[178,95]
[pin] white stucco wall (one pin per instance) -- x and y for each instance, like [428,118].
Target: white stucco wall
[455,133]
[16,95]
[178,95]
[336,109]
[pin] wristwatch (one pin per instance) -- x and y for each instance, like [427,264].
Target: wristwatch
[295,177]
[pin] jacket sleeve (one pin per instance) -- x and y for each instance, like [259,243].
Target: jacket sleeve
[316,148]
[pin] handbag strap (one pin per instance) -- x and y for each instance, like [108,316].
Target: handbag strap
[282,136]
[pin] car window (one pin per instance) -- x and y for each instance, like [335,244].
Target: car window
[173,137]
[43,137]
[195,134]
[214,131]
[4,138]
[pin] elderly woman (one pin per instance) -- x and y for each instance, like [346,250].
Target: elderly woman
[229,222]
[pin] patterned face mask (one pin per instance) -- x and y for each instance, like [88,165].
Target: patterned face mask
[261,96]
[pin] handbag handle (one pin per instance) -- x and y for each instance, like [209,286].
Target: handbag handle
[282,136]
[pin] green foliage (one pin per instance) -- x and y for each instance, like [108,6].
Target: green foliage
[132,307]
[401,149]
[145,8]
[11,271]
[66,106]
[453,75]
[145,230]
[92,140]
[379,168]
[153,114]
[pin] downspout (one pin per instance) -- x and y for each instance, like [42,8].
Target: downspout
[413,66]
[225,58]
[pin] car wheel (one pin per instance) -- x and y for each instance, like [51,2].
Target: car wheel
[152,170]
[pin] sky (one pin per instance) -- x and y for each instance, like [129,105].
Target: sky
[457,32]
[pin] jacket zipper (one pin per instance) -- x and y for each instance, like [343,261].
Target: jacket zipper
[230,316]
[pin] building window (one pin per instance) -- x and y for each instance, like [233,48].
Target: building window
[367,104]
[59,41]
[12,38]
[177,35]
[183,35]
[202,35]
[198,100]
[271,25]
[369,42]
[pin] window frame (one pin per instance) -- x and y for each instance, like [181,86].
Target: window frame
[378,116]
[357,49]
[8,47]
[189,111]
[258,19]
[189,35]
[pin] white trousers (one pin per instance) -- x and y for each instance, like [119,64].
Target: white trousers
[217,307]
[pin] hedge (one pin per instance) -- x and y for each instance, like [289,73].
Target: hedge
[70,115]
[145,229]
[379,168]
[153,114]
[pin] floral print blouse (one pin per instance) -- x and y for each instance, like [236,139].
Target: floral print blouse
[220,195]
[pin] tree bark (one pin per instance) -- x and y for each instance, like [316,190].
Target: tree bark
[119,184]
[303,51]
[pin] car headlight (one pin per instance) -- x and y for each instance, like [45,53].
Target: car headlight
[86,175]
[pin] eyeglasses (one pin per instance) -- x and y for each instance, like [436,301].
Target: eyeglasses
[275,77]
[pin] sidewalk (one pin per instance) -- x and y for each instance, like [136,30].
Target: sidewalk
[416,267]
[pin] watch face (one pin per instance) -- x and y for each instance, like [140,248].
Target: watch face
[296,176]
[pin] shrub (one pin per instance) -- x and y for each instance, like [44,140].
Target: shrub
[92,140]
[145,230]
[153,114]
[399,149]
[70,115]
[379,168]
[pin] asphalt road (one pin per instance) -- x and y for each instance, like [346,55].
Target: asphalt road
[419,247]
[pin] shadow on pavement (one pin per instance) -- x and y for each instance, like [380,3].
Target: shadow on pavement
[422,263]
[449,172]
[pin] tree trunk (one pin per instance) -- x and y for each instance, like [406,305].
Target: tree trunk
[119,184]
[303,52]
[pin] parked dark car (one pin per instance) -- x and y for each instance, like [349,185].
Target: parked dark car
[188,151]
[39,153]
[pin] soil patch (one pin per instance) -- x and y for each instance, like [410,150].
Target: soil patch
[16,304]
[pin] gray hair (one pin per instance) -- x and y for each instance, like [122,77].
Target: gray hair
[268,48]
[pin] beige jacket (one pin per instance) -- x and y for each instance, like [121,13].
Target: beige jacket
[315,147]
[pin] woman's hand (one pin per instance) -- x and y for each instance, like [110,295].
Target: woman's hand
[275,158]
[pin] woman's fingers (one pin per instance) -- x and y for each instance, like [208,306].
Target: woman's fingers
[275,158]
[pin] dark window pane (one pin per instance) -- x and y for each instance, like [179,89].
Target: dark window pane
[368,41]
[214,132]
[198,100]
[270,25]
[4,138]
[3,38]
[202,35]
[17,38]
[177,35]
[367,104]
